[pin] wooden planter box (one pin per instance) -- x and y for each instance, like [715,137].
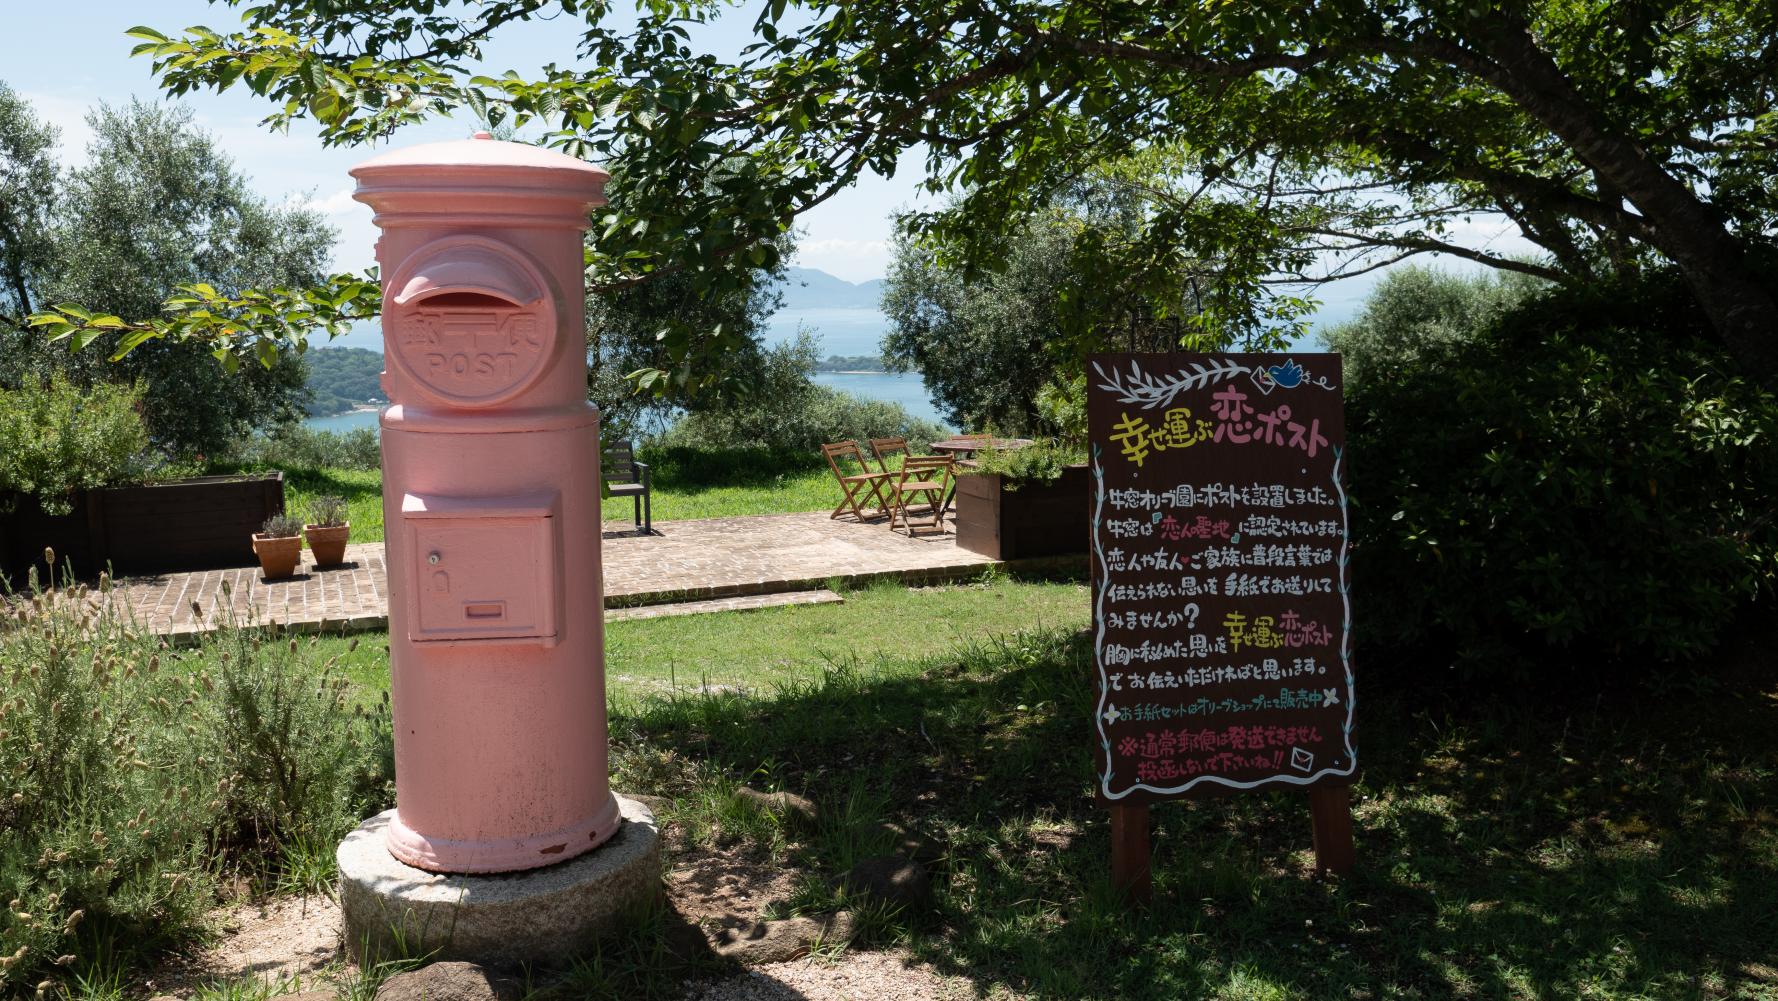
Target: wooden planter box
[191,524]
[1037,519]
[26,531]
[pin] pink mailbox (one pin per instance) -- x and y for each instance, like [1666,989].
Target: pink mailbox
[490,506]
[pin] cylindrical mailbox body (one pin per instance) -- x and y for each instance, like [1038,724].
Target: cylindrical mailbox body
[490,506]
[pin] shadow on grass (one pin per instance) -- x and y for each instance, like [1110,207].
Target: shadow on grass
[1507,848]
[353,484]
[690,470]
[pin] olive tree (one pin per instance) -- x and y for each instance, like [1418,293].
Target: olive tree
[156,205]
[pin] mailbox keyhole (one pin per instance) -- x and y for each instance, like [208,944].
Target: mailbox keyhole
[433,557]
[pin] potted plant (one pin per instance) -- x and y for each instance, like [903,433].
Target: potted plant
[279,546]
[328,530]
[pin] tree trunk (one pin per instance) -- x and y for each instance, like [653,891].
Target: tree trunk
[1740,304]
[17,278]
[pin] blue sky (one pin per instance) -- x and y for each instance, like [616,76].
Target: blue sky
[67,57]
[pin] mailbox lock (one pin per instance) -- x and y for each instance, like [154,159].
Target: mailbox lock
[433,557]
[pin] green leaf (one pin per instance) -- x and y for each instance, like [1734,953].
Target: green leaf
[130,342]
[477,103]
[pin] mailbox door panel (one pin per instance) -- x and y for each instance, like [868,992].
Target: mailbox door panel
[482,578]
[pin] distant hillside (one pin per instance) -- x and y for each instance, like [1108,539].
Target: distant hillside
[808,288]
[343,378]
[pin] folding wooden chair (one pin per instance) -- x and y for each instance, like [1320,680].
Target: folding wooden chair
[883,448]
[855,486]
[926,477]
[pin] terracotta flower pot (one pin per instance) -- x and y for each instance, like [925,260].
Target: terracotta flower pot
[278,555]
[328,543]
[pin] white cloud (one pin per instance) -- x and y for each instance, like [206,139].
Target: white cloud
[338,203]
[846,248]
[67,112]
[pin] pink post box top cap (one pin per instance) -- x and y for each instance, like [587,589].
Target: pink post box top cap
[483,157]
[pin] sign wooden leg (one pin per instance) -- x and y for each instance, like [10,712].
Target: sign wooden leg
[1330,814]
[1129,853]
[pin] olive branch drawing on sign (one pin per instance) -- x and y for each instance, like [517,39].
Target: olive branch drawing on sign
[1150,391]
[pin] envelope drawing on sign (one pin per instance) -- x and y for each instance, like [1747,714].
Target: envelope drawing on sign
[1301,760]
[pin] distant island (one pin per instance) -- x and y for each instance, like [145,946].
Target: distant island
[343,379]
[852,363]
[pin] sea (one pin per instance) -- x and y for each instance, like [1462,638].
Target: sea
[848,332]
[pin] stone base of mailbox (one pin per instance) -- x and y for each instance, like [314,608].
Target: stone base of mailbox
[545,915]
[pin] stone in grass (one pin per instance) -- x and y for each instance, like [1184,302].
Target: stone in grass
[780,941]
[450,982]
[784,804]
[891,879]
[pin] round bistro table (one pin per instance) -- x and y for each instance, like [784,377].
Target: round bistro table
[970,446]
[961,447]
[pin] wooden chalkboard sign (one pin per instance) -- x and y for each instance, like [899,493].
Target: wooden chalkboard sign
[1221,616]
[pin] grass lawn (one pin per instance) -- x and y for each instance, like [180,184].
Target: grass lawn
[882,628]
[1614,839]
[769,492]
[1565,843]
[362,489]
[1510,846]
[676,498]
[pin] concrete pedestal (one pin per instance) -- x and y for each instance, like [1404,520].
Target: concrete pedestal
[540,915]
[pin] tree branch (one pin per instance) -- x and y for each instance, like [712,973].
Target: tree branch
[1425,244]
[1176,59]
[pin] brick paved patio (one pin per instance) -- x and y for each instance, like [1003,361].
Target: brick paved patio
[719,558]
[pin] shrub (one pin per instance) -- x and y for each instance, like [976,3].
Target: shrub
[60,439]
[800,423]
[1590,475]
[689,468]
[1041,462]
[294,446]
[785,410]
[1062,404]
[1416,313]
[139,777]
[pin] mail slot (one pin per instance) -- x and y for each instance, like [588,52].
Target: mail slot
[482,569]
[491,506]
[472,319]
